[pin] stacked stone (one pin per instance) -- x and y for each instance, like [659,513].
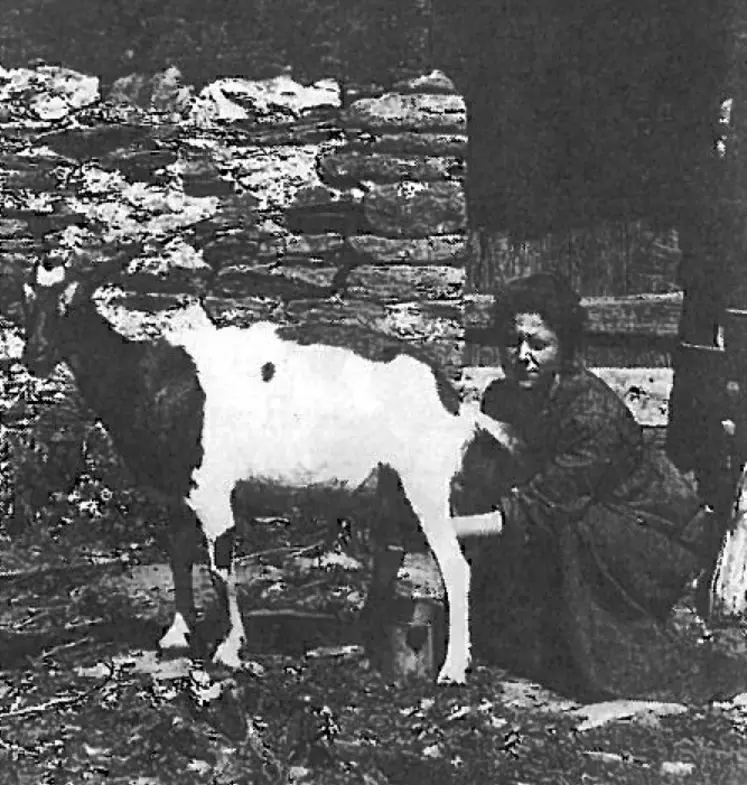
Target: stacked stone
[406,150]
[264,197]
[376,241]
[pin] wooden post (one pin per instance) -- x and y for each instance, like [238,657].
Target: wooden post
[728,597]
[695,439]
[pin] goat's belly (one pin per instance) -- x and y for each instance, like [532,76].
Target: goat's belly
[294,448]
[265,497]
[284,467]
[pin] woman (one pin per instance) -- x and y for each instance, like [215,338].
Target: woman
[601,535]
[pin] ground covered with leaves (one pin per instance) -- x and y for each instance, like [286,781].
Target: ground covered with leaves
[85,591]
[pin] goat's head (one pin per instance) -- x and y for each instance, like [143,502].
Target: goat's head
[56,288]
[48,298]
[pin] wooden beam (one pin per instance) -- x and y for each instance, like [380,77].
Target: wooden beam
[645,391]
[655,315]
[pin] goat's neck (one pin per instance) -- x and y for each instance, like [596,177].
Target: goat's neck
[100,358]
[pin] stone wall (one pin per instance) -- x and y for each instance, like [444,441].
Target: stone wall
[265,197]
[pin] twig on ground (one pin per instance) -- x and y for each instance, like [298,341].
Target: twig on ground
[34,617]
[84,624]
[42,708]
[21,576]
[61,647]
[272,766]
[54,703]
[286,549]
[18,749]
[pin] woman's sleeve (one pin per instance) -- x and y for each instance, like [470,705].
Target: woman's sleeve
[594,446]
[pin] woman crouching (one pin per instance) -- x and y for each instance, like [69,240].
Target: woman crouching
[601,534]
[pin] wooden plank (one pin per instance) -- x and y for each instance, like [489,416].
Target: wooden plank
[656,314]
[640,353]
[645,391]
[610,259]
[628,352]
[649,314]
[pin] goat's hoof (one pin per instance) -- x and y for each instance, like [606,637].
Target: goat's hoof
[177,637]
[450,674]
[450,678]
[227,654]
[174,644]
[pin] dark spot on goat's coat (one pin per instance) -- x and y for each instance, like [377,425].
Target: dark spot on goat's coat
[268,371]
[375,346]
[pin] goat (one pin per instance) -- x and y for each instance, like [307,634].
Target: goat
[197,411]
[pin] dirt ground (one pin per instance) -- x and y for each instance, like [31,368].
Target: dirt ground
[85,593]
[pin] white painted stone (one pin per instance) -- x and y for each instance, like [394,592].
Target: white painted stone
[597,714]
[48,92]
[262,100]
[416,110]
[178,255]
[274,174]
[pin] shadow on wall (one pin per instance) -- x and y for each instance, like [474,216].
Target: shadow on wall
[110,38]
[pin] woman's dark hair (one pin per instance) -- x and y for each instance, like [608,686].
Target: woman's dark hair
[552,297]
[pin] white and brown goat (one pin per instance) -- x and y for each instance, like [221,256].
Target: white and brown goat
[193,414]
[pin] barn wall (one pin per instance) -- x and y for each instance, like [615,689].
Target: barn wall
[627,274]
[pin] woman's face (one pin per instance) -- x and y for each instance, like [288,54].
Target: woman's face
[531,352]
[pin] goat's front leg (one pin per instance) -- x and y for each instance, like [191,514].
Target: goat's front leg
[183,546]
[431,504]
[213,508]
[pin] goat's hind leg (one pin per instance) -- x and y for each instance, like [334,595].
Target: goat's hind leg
[431,504]
[223,574]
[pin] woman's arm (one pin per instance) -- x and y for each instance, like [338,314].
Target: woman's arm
[486,524]
[597,444]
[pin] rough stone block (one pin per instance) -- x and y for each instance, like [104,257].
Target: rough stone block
[416,209]
[409,143]
[406,282]
[344,169]
[418,110]
[437,249]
